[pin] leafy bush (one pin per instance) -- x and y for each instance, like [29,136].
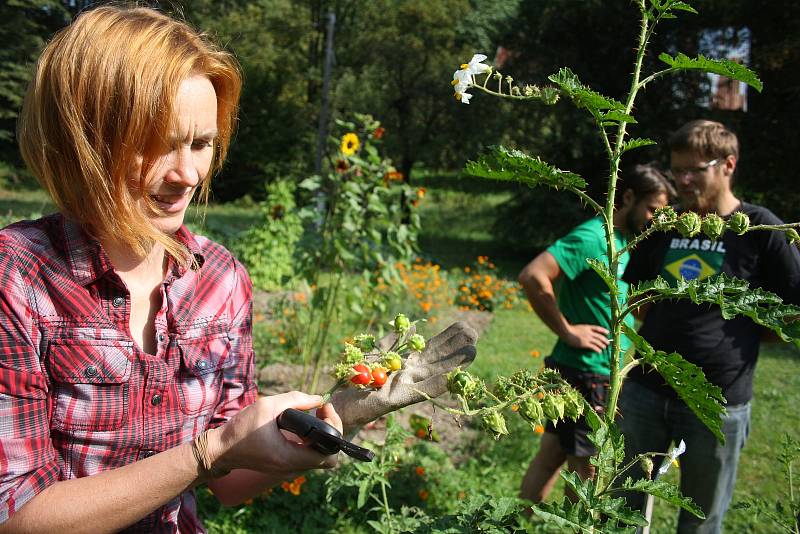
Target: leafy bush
[268,249]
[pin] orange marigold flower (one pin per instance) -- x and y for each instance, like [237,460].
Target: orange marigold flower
[423,494]
[467,269]
[420,471]
[421,433]
[393,176]
[426,306]
[378,133]
[421,192]
[535,353]
[539,429]
[515,407]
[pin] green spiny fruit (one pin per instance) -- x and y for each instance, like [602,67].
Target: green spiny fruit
[553,407]
[739,222]
[366,342]
[647,465]
[352,354]
[495,422]
[688,224]
[462,383]
[417,343]
[664,218]
[401,324]
[573,404]
[531,411]
[713,226]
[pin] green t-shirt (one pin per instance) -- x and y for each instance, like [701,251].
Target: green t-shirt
[583,297]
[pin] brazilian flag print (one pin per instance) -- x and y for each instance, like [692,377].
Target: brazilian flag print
[691,261]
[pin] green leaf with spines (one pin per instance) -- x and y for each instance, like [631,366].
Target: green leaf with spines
[687,379]
[601,268]
[734,297]
[565,514]
[616,116]
[665,7]
[616,508]
[583,489]
[683,6]
[637,142]
[608,440]
[583,96]
[665,490]
[500,163]
[723,67]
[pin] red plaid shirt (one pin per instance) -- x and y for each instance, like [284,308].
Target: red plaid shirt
[78,396]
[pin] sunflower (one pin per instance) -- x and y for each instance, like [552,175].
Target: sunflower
[350,144]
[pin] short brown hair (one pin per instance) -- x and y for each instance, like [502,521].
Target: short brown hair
[710,139]
[102,96]
[644,180]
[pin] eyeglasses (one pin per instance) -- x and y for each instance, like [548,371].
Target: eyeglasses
[680,172]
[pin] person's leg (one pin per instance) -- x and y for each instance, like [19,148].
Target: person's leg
[708,468]
[543,471]
[641,420]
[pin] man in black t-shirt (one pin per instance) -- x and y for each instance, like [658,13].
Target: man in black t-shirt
[703,160]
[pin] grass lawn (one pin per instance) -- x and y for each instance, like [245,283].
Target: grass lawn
[505,346]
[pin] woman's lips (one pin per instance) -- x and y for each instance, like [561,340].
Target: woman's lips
[171,203]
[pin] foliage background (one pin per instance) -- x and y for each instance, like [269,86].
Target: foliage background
[393,59]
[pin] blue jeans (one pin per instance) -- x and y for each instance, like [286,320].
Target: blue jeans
[651,422]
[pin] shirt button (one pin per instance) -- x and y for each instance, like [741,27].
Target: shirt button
[155,400]
[118,302]
[90,371]
[148,453]
[161,338]
[202,364]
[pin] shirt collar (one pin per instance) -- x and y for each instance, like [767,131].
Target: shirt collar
[86,258]
[88,261]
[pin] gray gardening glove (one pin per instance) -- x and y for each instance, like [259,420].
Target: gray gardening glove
[425,371]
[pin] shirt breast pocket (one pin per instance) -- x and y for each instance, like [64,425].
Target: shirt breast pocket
[203,363]
[90,379]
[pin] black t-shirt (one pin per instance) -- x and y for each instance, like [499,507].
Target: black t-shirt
[726,350]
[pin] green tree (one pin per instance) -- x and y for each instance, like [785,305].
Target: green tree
[24,27]
[550,33]
[392,66]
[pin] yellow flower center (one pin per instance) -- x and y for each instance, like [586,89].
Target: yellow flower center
[458,96]
[464,66]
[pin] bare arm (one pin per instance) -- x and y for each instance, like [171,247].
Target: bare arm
[537,279]
[250,444]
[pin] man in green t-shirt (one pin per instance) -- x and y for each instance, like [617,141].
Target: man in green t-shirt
[580,316]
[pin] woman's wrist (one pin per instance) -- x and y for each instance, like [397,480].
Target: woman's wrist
[207,452]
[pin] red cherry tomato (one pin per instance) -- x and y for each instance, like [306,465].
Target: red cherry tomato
[363,377]
[378,377]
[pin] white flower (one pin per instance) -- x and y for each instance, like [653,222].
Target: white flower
[463,77]
[672,456]
[475,66]
[462,80]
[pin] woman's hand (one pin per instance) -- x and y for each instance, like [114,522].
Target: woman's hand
[252,439]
